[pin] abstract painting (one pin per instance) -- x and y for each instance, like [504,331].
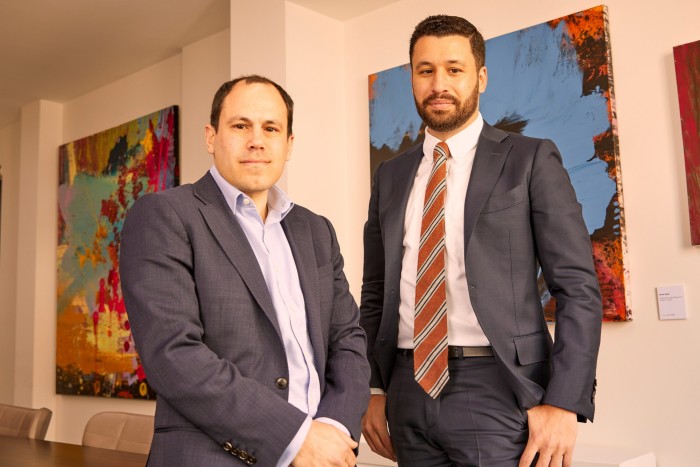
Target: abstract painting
[100,177]
[552,80]
[687,58]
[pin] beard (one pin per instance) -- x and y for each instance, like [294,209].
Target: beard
[446,120]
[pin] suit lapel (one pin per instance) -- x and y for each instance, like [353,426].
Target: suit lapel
[491,152]
[233,241]
[298,232]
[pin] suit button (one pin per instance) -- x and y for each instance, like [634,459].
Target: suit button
[228,446]
[235,452]
[281,383]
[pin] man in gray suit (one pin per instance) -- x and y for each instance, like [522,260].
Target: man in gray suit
[239,306]
[464,370]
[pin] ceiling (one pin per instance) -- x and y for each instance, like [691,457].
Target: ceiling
[60,49]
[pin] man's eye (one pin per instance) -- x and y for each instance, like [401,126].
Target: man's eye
[271,129]
[455,70]
[240,126]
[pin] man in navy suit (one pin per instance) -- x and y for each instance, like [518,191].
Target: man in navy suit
[239,306]
[507,394]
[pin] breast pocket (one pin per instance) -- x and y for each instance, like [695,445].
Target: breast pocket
[505,200]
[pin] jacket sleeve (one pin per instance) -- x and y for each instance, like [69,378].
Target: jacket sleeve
[564,252]
[346,393]
[372,298]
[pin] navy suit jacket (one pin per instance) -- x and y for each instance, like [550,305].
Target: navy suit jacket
[207,332]
[520,211]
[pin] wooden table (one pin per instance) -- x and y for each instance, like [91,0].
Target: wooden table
[21,452]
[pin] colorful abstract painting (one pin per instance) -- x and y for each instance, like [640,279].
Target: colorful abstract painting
[100,177]
[687,59]
[552,80]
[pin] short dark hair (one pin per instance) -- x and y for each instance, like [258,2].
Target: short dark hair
[225,89]
[444,25]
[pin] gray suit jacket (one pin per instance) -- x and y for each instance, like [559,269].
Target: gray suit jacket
[207,332]
[520,208]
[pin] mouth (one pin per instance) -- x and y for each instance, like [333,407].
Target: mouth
[442,102]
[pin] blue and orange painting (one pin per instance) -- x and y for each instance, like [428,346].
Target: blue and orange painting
[552,80]
[100,177]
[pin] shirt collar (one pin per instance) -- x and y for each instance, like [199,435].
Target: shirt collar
[460,144]
[278,202]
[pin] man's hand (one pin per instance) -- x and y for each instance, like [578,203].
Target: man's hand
[324,446]
[374,427]
[552,435]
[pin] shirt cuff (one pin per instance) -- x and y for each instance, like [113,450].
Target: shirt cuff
[334,423]
[291,452]
[377,392]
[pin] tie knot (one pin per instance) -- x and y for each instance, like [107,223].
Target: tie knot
[441,150]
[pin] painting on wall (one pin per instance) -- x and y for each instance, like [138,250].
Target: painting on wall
[552,80]
[100,177]
[687,58]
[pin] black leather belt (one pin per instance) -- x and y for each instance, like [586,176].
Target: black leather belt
[454,351]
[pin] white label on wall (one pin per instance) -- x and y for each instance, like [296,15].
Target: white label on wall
[671,300]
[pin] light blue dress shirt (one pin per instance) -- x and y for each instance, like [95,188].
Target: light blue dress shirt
[271,248]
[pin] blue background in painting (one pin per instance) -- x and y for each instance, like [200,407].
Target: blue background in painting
[533,75]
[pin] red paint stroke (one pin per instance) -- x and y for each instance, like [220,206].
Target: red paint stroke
[687,61]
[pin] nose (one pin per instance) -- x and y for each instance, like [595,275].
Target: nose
[439,81]
[256,139]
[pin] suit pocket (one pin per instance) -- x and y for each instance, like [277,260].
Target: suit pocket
[505,200]
[532,348]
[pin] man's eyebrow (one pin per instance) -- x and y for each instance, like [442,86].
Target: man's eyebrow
[449,62]
[237,118]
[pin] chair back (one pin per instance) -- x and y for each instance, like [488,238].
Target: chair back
[23,422]
[121,431]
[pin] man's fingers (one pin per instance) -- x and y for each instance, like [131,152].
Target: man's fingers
[383,447]
[568,459]
[380,442]
[374,428]
[528,455]
[349,441]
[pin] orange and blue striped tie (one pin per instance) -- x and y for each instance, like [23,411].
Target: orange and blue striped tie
[430,325]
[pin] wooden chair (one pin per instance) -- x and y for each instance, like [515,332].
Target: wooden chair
[121,431]
[23,422]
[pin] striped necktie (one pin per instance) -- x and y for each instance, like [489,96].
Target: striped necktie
[430,325]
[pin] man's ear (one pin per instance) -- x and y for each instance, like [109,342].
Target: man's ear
[209,135]
[483,79]
[290,144]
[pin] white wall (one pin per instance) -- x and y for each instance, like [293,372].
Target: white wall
[649,371]
[40,134]
[205,66]
[9,161]
[316,80]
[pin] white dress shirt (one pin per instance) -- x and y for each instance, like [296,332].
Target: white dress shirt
[463,328]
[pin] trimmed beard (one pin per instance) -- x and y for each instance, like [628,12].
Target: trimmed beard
[443,120]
